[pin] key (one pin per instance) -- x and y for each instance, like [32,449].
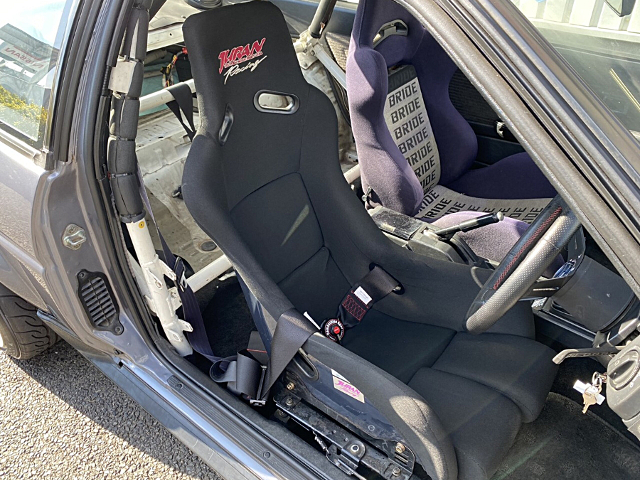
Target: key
[591,391]
[589,397]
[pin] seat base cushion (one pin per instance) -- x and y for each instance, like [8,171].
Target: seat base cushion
[494,241]
[481,423]
[443,201]
[491,241]
[481,387]
[396,346]
[519,368]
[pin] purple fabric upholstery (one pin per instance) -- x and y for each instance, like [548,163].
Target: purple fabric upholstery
[515,176]
[493,241]
[383,167]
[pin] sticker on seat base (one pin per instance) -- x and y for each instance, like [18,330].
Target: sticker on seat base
[342,384]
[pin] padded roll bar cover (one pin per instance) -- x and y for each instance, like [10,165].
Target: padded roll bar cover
[407,411]
[123,118]
[134,44]
[122,167]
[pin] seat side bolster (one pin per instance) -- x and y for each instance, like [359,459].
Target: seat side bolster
[384,168]
[405,409]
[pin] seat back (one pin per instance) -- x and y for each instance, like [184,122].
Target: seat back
[401,164]
[255,175]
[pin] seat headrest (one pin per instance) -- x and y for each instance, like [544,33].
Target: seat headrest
[238,50]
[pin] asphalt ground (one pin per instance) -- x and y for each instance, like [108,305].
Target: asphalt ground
[61,418]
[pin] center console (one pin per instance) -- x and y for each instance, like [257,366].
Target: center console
[421,237]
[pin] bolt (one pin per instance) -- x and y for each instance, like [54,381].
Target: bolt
[371,428]
[354,448]
[400,448]
[288,402]
[291,386]
[395,472]
[118,329]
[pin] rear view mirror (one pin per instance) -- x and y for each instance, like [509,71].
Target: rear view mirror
[622,7]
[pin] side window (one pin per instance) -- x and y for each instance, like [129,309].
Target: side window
[30,40]
[601,45]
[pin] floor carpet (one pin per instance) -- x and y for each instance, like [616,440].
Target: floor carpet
[227,319]
[565,444]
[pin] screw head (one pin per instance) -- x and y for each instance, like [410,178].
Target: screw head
[291,386]
[395,472]
[288,402]
[354,448]
[400,448]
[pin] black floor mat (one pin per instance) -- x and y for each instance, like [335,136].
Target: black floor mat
[227,319]
[564,443]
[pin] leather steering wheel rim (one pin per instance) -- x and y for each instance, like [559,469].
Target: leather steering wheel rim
[523,265]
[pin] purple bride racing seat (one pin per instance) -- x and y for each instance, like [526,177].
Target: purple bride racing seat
[415,150]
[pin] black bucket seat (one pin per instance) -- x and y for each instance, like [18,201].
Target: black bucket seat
[263,180]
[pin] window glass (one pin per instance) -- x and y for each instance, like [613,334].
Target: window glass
[601,46]
[29,49]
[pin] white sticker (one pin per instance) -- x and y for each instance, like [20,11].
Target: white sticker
[343,385]
[440,201]
[362,295]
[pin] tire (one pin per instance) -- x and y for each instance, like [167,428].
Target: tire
[22,334]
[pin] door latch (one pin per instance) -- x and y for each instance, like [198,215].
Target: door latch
[73,236]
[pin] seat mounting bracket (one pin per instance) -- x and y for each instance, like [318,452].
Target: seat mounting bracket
[342,448]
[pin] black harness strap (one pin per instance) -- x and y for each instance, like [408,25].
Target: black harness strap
[245,374]
[253,373]
[374,286]
[292,331]
[183,103]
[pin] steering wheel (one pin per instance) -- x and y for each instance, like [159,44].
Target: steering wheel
[523,265]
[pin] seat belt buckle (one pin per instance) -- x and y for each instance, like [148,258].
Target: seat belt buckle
[259,401]
[179,269]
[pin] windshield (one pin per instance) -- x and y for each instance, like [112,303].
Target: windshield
[602,47]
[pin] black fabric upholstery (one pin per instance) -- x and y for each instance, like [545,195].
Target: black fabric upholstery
[381,337]
[481,423]
[516,367]
[414,418]
[274,199]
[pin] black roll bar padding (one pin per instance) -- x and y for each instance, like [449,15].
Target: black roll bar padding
[321,17]
[123,117]
[122,163]
[134,45]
